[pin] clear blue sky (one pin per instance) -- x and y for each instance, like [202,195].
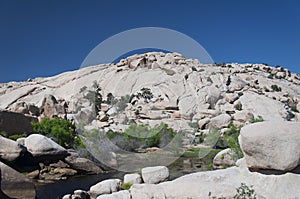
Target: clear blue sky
[44,38]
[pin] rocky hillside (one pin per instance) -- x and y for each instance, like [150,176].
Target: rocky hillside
[193,99]
[155,87]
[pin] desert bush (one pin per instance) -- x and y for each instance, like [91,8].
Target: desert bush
[245,192]
[275,88]
[231,138]
[62,130]
[258,119]
[126,186]
[17,136]
[141,136]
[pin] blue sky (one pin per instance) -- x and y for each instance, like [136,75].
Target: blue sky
[44,38]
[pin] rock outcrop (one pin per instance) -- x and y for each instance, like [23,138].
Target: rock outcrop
[15,184]
[82,165]
[271,145]
[221,183]
[52,108]
[44,149]
[105,187]
[10,150]
[153,175]
[225,158]
[15,123]
[133,178]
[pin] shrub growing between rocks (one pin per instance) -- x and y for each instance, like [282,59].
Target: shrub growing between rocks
[141,136]
[62,130]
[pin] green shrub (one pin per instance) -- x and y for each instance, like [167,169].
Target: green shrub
[126,186]
[62,130]
[258,119]
[238,106]
[231,138]
[141,136]
[275,88]
[3,133]
[242,192]
[245,192]
[17,136]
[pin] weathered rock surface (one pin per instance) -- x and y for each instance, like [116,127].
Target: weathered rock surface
[44,149]
[10,150]
[105,187]
[153,175]
[15,123]
[224,158]
[117,195]
[82,164]
[243,116]
[78,194]
[221,183]
[264,106]
[271,145]
[220,121]
[15,184]
[133,178]
[51,108]
[2,195]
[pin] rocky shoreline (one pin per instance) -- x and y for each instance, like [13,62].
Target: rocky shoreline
[42,160]
[278,177]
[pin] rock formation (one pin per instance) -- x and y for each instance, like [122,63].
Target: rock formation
[154,88]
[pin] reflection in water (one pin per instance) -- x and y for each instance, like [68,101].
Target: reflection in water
[58,189]
[180,167]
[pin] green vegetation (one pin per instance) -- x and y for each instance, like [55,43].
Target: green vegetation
[231,138]
[258,119]
[245,192]
[62,130]
[238,106]
[242,192]
[275,88]
[270,76]
[141,136]
[3,133]
[17,136]
[126,186]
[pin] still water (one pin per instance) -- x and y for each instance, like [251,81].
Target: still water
[58,189]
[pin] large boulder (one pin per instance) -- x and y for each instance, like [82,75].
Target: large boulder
[261,105]
[221,183]
[145,191]
[15,123]
[10,150]
[224,158]
[243,116]
[153,175]
[220,121]
[133,178]
[78,194]
[2,195]
[125,194]
[52,108]
[271,145]
[15,184]
[44,149]
[105,187]
[82,165]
